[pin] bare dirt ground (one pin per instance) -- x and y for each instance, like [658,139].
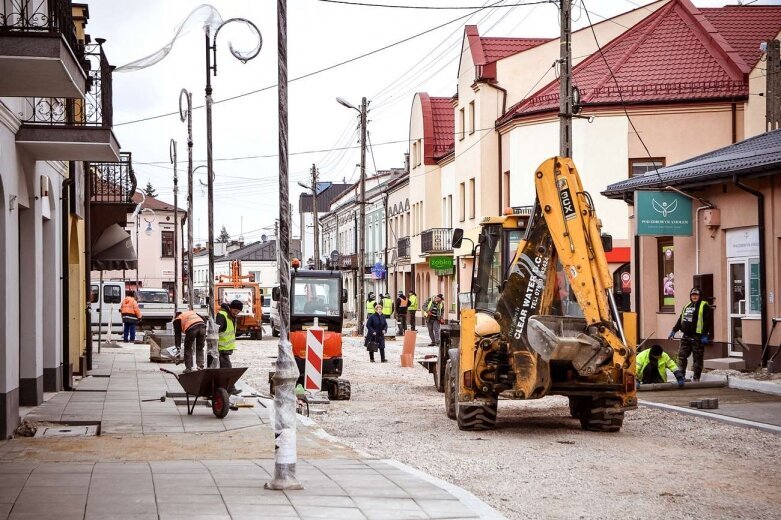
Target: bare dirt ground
[538,463]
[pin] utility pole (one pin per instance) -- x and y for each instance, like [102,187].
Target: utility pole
[565,80]
[177,251]
[773,88]
[362,223]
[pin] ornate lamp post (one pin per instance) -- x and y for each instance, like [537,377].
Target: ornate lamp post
[172,154]
[211,56]
[187,114]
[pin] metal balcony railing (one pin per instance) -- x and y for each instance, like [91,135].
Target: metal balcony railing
[95,110]
[437,240]
[40,17]
[112,182]
[402,247]
[348,262]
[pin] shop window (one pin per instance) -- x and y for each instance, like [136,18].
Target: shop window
[643,166]
[167,241]
[666,261]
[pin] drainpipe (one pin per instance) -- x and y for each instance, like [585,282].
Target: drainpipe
[499,148]
[385,203]
[65,278]
[762,267]
[88,266]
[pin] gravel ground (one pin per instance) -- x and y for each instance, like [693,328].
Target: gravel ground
[538,463]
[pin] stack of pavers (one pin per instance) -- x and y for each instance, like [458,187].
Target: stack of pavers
[707,404]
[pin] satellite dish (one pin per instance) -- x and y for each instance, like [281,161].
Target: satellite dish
[263,238]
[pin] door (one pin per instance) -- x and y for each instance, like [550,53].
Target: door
[737,305]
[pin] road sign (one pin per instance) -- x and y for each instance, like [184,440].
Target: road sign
[313,368]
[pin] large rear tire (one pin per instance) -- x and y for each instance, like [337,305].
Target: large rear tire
[477,415]
[339,390]
[602,415]
[440,379]
[450,390]
[577,405]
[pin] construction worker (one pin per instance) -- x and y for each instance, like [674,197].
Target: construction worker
[401,312]
[694,323]
[652,366]
[387,306]
[371,303]
[412,308]
[194,329]
[434,312]
[131,315]
[226,326]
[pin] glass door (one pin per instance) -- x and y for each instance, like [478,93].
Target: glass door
[737,304]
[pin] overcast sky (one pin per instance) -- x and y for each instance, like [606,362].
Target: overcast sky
[319,35]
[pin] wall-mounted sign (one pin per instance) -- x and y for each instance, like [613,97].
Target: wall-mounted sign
[742,242]
[663,213]
[378,271]
[440,263]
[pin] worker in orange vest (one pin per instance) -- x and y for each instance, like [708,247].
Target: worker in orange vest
[194,329]
[131,315]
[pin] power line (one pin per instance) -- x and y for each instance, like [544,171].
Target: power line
[330,67]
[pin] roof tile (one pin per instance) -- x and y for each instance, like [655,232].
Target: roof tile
[745,27]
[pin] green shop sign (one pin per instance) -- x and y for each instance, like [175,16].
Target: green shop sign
[440,263]
[663,213]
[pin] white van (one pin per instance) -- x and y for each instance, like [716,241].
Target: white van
[111,294]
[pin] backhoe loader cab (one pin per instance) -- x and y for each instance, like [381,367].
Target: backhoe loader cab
[542,322]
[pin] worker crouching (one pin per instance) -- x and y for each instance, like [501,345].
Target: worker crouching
[194,329]
[652,366]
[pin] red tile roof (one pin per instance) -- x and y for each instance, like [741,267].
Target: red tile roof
[745,27]
[438,127]
[497,48]
[674,54]
[153,203]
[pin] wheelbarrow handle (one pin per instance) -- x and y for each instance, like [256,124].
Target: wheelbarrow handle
[169,372]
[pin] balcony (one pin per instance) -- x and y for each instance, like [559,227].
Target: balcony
[112,182]
[348,262]
[437,240]
[40,54]
[402,248]
[73,129]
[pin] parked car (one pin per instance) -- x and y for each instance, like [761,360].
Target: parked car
[267,309]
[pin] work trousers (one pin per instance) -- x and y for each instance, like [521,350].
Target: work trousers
[402,317]
[195,335]
[225,362]
[691,347]
[411,315]
[433,331]
[129,332]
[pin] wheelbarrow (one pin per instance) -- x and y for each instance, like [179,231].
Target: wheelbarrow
[211,383]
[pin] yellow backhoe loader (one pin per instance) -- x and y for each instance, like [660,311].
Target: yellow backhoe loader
[543,321]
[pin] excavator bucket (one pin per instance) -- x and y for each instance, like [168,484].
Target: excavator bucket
[561,338]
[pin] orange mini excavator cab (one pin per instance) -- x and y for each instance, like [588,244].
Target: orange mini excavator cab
[319,294]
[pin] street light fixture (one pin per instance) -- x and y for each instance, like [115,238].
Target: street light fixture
[211,56]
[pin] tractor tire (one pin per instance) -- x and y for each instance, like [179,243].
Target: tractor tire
[450,390]
[440,379]
[477,415]
[577,405]
[274,332]
[339,390]
[602,415]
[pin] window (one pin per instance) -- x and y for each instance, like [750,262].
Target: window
[316,297]
[643,166]
[471,117]
[461,124]
[666,259]
[449,211]
[167,239]
[112,294]
[420,151]
[414,154]
[462,192]
[472,197]
[506,190]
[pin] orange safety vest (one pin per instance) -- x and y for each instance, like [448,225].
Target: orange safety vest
[188,319]
[129,306]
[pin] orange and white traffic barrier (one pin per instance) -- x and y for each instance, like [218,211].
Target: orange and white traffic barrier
[313,368]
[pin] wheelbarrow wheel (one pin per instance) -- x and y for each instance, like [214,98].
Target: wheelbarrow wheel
[220,403]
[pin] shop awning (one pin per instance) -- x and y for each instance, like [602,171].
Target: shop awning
[113,250]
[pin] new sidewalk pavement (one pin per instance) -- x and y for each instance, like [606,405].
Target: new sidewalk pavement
[154,461]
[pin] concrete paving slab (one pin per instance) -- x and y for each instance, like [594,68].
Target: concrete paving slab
[319,512]
[192,509]
[262,511]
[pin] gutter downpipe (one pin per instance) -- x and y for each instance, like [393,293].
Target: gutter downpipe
[762,267]
[499,147]
[88,269]
[65,278]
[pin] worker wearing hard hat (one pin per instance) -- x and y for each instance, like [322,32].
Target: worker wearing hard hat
[387,306]
[194,329]
[226,326]
[694,323]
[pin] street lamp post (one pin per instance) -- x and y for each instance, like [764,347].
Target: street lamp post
[172,154]
[211,68]
[362,211]
[187,114]
[285,369]
[148,231]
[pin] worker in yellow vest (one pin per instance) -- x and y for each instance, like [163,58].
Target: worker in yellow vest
[412,308]
[387,306]
[194,329]
[371,303]
[226,326]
